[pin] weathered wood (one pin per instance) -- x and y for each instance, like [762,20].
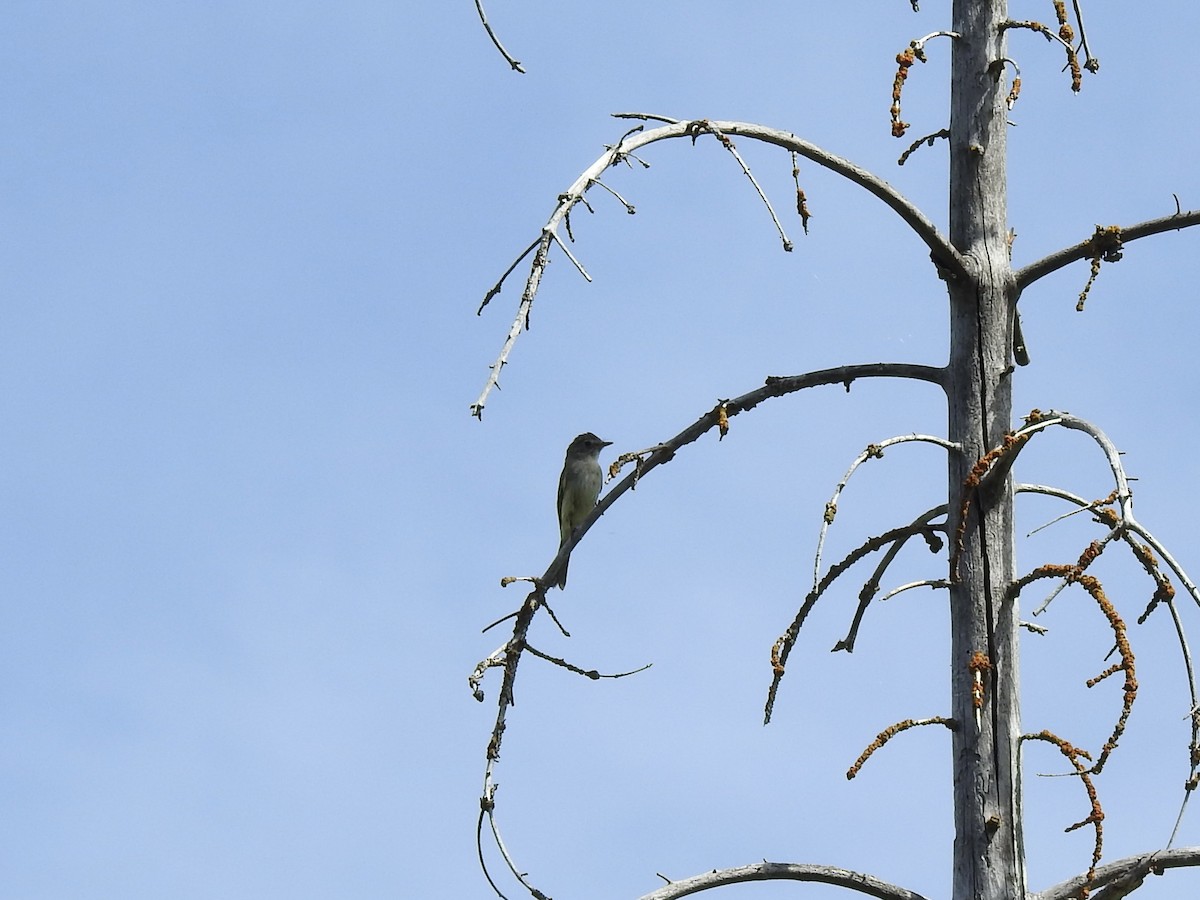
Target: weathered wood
[988,846]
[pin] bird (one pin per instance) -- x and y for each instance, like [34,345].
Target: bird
[578,488]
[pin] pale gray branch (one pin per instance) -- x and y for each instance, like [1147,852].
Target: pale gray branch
[1129,870]
[944,255]
[776,386]
[508,57]
[1085,249]
[768,871]
[873,451]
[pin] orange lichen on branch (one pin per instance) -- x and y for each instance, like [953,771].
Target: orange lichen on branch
[978,665]
[801,200]
[904,61]
[1010,445]
[1065,35]
[776,661]
[1164,591]
[1106,246]
[1065,31]
[1096,817]
[1075,575]
[890,732]
[1129,692]
[1011,100]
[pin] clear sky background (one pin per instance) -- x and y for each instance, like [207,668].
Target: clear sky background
[251,533]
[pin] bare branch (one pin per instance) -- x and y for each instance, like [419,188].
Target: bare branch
[873,451]
[1038,420]
[705,125]
[940,583]
[1091,63]
[593,674]
[768,871]
[948,260]
[508,57]
[944,253]
[520,323]
[509,655]
[1085,249]
[1193,714]
[782,648]
[871,586]
[1124,871]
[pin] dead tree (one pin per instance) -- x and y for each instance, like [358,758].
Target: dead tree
[974,523]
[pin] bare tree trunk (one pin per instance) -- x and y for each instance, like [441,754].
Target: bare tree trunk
[988,846]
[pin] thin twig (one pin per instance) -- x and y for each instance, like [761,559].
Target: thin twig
[571,256]
[705,125]
[1091,63]
[495,289]
[919,43]
[872,451]
[593,674]
[871,586]
[1193,715]
[928,140]
[516,66]
[927,582]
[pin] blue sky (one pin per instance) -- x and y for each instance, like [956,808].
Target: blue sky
[251,533]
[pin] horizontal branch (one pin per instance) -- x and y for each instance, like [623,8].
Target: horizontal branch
[1127,872]
[768,871]
[1086,249]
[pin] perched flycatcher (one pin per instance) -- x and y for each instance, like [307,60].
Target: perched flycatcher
[578,488]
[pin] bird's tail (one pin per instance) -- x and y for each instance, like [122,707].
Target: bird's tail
[562,576]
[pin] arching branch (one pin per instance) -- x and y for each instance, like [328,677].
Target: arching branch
[1086,249]
[768,871]
[947,259]
[873,451]
[509,655]
[513,63]
[776,386]
[943,252]
[1125,875]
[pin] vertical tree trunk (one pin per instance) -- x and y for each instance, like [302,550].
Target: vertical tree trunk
[988,845]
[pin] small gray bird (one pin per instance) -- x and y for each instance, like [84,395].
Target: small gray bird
[578,488]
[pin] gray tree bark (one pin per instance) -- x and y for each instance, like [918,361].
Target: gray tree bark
[988,846]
